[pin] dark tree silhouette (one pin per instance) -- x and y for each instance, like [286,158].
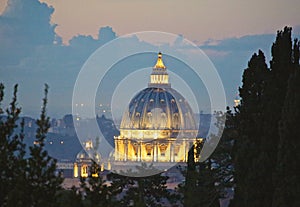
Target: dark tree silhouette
[12,151]
[287,178]
[24,181]
[250,127]
[258,156]
[144,191]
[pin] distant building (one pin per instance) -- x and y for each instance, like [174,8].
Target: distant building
[237,100]
[158,125]
[83,162]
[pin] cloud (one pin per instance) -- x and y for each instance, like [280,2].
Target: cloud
[32,54]
[241,44]
[230,57]
[23,26]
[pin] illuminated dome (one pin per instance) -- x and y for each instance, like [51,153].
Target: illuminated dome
[82,155]
[158,108]
[158,125]
[88,153]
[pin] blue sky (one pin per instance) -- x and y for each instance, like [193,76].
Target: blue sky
[32,53]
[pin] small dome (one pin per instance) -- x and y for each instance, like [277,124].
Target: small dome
[87,155]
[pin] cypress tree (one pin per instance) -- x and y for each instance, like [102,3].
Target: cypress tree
[189,188]
[275,93]
[250,126]
[260,115]
[287,179]
[199,189]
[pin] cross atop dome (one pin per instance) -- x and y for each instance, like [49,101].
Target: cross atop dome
[159,76]
[159,62]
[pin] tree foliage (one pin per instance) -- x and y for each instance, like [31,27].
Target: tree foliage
[287,179]
[144,191]
[207,182]
[263,134]
[12,148]
[24,181]
[95,190]
[199,188]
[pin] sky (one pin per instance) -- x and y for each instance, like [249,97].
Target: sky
[197,20]
[49,40]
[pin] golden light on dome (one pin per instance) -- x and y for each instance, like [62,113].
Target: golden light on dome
[158,125]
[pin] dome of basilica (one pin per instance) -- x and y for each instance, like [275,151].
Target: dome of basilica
[158,111]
